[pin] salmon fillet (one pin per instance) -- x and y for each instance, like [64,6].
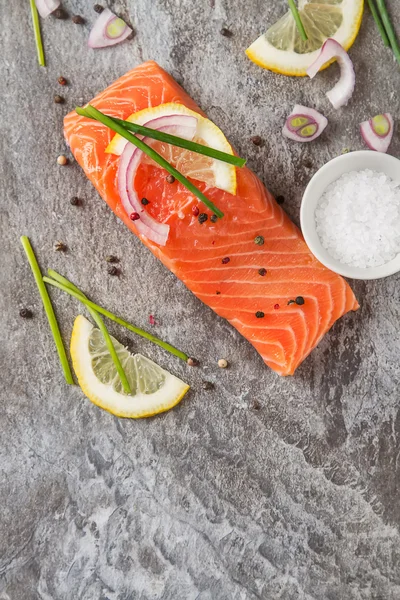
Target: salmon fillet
[195,252]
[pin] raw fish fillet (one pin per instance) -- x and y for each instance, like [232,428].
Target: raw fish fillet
[194,252]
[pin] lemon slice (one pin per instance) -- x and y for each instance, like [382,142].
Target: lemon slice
[281,48]
[154,390]
[196,166]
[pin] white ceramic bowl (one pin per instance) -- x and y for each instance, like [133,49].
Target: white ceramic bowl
[353,161]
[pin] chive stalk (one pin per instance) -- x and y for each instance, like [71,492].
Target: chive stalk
[110,315]
[298,21]
[181,143]
[93,113]
[389,28]
[377,19]
[100,324]
[48,307]
[38,35]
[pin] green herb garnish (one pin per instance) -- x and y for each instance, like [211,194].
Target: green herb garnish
[100,324]
[38,35]
[93,113]
[389,28]
[48,307]
[148,336]
[182,143]
[378,22]
[298,21]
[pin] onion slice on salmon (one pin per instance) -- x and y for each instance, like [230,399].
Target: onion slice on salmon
[131,157]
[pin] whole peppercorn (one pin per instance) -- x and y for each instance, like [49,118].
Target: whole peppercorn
[78,20]
[98,8]
[60,13]
[257,140]
[260,314]
[226,32]
[259,240]
[62,160]
[280,199]
[308,163]
[114,271]
[225,260]
[170,179]
[75,201]
[222,363]
[58,99]
[291,302]
[112,259]
[213,218]
[192,362]
[144,201]
[276,306]
[195,210]
[60,247]
[25,313]
[208,385]
[134,216]
[262,272]
[62,81]
[256,405]
[299,300]
[202,218]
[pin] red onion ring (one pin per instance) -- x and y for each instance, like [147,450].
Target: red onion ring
[46,7]
[310,124]
[100,37]
[130,160]
[341,93]
[375,140]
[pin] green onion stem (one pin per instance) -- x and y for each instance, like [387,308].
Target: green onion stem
[93,113]
[377,19]
[100,324]
[299,23]
[125,324]
[181,143]
[48,307]
[38,36]
[389,28]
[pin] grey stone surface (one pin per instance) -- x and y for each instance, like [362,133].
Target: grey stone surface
[216,500]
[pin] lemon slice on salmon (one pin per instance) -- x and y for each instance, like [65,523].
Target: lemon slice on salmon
[154,390]
[281,48]
[195,166]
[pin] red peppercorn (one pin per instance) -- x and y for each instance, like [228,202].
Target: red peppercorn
[195,210]
[134,216]
[276,306]
[152,320]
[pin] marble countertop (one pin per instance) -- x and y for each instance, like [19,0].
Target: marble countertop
[262,488]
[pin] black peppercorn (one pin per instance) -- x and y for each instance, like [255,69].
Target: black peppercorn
[112,270]
[78,20]
[299,300]
[58,99]
[25,313]
[60,247]
[257,140]
[98,8]
[202,218]
[170,179]
[60,13]
[75,201]
[262,272]
[145,202]
[280,199]
[260,314]
[112,259]
[208,385]
[213,218]
[226,32]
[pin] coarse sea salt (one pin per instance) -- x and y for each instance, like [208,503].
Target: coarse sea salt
[358,219]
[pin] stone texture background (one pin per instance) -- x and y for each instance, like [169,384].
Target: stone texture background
[215,500]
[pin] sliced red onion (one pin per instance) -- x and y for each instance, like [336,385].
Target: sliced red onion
[46,7]
[378,132]
[108,30]
[183,126]
[304,124]
[130,160]
[341,93]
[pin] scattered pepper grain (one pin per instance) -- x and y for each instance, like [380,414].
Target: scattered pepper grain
[75,201]
[259,240]
[98,8]
[262,272]
[299,300]
[222,363]
[78,20]
[170,179]
[58,99]
[25,313]
[112,259]
[260,314]
[62,81]
[62,160]
[257,140]
[60,13]
[280,199]
[145,202]
[208,385]
[60,247]
[202,218]
[226,32]
[291,302]
[256,405]
[213,218]
[225,260]
[192,362]
[113,270]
